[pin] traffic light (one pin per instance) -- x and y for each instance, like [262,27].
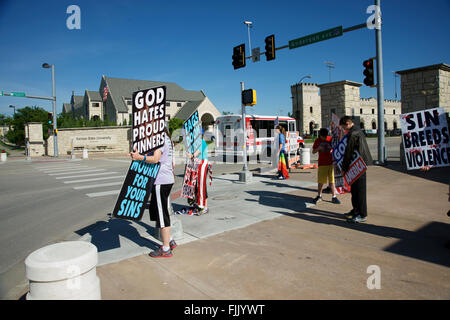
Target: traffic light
[239,56]
[249,97]
[270,47]
[50,118]
[368,72]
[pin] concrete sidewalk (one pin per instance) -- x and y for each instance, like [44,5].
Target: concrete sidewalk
[265,240]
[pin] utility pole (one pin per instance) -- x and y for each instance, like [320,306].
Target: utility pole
[330,65]
[380,85]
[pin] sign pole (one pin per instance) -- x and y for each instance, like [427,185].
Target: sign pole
[245,175]
[380,87]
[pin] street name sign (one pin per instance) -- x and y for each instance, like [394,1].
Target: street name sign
[316,37]
[18,94]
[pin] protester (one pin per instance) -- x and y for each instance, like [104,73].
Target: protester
[160,195]
[356,142]
[202,175]
[282,155]
[322,145]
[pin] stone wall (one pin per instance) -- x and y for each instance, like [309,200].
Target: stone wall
[103,139]
[338,98]
[34,136]
[306,98]
[425,88]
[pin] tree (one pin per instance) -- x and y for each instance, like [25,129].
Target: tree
[4,120]
[175,124]
[23,116]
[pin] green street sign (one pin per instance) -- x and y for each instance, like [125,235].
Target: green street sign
[1,93]
[316,37]
[18,94]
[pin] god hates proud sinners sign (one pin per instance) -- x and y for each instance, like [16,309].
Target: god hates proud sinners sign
[149,111]
[425,138]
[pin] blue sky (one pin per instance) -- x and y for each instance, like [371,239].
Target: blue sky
[191,43]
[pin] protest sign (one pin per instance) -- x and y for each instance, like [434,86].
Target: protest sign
[193,142]
[425,138]
[336,134]
[136,190]
[190,178]
[149,113]
[357,166]
[192,133]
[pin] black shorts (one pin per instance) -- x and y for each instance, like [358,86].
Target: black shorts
[160,205]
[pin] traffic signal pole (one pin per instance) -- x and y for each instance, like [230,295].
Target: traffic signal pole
[245,175]
[380,90]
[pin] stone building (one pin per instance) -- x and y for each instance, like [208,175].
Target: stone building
[425,87]
[306,108]
[313,104]
[114,101]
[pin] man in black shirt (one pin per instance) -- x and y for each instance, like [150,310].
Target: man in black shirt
[356,142]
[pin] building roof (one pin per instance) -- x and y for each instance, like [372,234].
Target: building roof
[77,102]
[187,110]
[67,107]
[442,66]
[123,88]
[342,82]
[94,95]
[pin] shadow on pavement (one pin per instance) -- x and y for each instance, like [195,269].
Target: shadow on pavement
[440,174]
[105,234]
[429,243]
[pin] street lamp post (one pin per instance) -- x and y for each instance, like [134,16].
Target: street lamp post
[249,25]
[55,139]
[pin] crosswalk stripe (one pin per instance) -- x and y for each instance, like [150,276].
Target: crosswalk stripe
[76,171]
[101,194]
[99,185]
[59,167]
[94,179]
[63,169]
[85,175]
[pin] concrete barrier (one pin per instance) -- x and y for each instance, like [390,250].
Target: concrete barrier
[63,271]
[305,156]
[3,156]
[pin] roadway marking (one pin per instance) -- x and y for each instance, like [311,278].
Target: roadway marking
[76,171]
[63,169]
[85,175]
[58,167]
[99,185]
[101,194]
[95,179]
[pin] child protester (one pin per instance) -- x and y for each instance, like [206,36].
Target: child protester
[322,145]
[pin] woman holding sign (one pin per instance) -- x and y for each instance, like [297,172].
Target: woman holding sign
[160,196]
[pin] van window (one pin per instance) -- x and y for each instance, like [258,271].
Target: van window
[291,126]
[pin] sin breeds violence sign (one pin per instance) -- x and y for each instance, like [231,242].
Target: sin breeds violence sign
[149,111]
[425,138]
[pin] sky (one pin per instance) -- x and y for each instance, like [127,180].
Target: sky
[191,43]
